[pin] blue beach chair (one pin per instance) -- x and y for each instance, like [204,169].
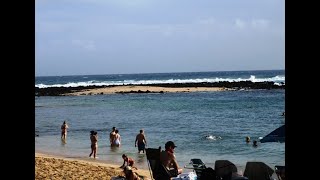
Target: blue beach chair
[157,170]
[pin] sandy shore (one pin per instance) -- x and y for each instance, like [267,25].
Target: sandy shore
[54,167]
[152,89]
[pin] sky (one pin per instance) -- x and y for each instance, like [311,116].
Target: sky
[90,37]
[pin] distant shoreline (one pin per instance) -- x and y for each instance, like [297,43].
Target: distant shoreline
[154,88]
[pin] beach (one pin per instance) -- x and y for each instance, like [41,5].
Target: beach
[150,89]
[55,167]
[181,107]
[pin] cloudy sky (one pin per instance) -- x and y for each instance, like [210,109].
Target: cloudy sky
[83,37]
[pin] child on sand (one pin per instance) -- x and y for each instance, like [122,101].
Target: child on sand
[127,160]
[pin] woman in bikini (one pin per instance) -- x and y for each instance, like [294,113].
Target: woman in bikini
[64,128]
[117,139]
[94,143]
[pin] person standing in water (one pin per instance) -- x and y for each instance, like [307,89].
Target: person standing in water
[112,135]
[255,143]
[140,141]
[91,139]
[64,128]
[247,139]
[94,143]
[116,141]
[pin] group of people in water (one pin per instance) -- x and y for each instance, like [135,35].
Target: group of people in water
[254,143]
[167,156]
[114,139]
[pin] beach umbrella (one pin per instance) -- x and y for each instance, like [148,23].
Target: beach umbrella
[278,135]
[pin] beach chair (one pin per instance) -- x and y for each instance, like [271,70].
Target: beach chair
[197,165]
[258,171]
[280,171]
[157,170]
[208,174]
[224,169]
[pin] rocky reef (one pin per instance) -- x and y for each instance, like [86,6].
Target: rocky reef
[61,91]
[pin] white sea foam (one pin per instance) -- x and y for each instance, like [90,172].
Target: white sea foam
[277,80]
[211,137]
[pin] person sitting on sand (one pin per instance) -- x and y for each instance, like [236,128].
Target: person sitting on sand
[140,141]
[129,174]
[168,159]
[127,160]
[94,143]
[64,128]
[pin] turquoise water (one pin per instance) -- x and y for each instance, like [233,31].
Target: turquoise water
[185,118]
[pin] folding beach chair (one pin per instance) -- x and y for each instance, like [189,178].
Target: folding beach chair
[280,171]
[197,165]
[157,170]
[258,171]
[224,169]
[208,174]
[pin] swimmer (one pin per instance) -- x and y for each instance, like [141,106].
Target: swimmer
[247,139]
[213,137]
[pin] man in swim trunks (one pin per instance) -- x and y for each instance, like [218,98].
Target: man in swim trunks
[140,141]
[112,135]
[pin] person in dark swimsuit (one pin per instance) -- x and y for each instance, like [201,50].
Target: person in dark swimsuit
[94,143]
[140,141]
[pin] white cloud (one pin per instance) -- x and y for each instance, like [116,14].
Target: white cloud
[260,23]
[240,24]
[87,45]
[207,21]
[168,31]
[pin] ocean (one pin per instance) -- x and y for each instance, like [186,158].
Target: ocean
[185,118]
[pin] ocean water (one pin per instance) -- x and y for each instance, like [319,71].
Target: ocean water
[185,118]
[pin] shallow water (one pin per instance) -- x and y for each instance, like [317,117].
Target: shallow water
[185,118]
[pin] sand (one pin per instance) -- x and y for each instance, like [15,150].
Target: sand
[55,167]
[152,89]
